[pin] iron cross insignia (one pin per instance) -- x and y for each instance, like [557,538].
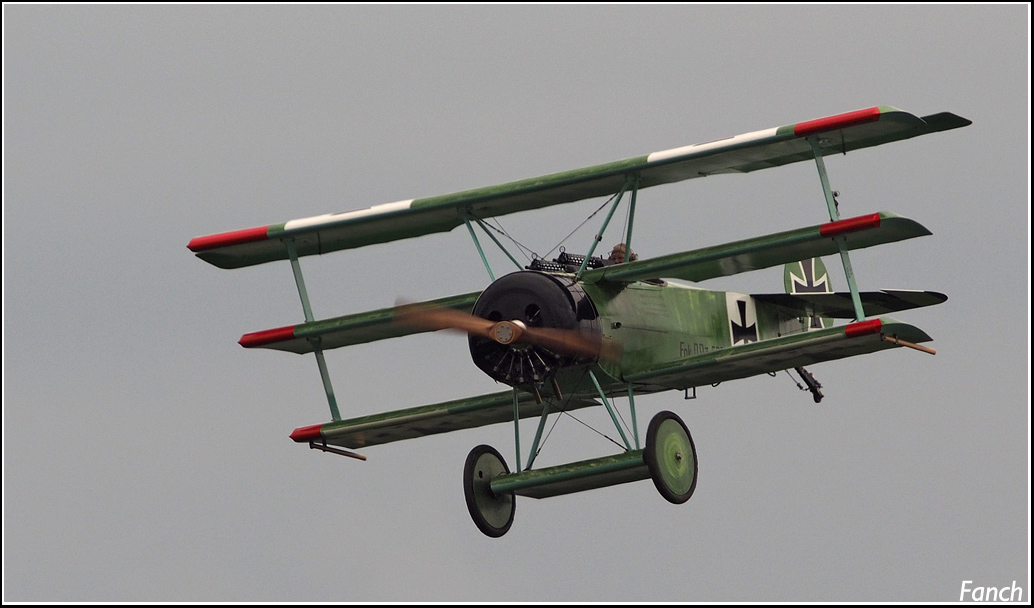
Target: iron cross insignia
[809,284]
[741,332]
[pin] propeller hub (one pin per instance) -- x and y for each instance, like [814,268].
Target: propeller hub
[507,332]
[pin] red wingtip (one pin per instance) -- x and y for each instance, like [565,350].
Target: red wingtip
[840,121]
[853,224]
[305,434]
[267,336]
[225,239]
[863,328]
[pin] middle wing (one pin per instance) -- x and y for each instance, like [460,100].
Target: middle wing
[347,330]
[696,265]
[765,251]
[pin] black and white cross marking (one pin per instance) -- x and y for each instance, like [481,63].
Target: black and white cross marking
[742,318]
[808,282]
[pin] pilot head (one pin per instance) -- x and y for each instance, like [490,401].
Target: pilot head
[617,255]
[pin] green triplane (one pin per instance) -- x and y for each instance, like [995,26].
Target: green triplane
[579,330]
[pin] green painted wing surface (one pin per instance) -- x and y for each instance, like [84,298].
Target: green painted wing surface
[348,330]
[405,219]
[763,252]
[839,306]
[777,354]
[431,419]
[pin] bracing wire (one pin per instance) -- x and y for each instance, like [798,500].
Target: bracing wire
[542,443]
[529,253]
[591,215]
[563,410]
[523,250]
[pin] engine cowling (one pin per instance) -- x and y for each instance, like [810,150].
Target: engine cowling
[534,299]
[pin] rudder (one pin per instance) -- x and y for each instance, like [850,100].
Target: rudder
[808,277]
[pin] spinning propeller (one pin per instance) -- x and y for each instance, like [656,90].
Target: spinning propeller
[507,333]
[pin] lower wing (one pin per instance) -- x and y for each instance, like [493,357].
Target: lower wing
[777,354]
[432,419]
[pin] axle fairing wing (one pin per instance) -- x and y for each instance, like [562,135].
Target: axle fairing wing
[410,218]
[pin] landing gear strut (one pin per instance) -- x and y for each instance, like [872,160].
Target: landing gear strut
[669,459]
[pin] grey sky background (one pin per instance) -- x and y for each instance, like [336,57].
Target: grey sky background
[146,455]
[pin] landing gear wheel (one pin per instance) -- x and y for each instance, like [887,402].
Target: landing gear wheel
[671,457]
[493,513]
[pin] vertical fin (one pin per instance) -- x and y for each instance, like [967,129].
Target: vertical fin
[808,276]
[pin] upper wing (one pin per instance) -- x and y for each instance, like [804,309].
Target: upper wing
[405,219]
[778,354]
[429,420]
[765,251]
